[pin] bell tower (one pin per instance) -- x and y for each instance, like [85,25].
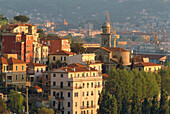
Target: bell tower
[106,35]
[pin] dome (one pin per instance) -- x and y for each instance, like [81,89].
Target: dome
[106,24]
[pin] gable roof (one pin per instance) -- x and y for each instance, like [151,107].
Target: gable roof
[3,60]
[12,60]
[114,59]
[117,49]
[53,38]
[62,52]
[145,64]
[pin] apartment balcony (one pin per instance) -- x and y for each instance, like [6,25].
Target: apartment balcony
[60,109]
[86,107]
[80,87]
[59,98]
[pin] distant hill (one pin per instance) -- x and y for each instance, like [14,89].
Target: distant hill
[81,10]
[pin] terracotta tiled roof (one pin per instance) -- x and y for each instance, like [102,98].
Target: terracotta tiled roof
[3,60]
[114,59]
[37,87]
[105,76]
[106,49]
[144,64]
[117,49]
[62,52]
[78,68]
[12,60]
[150,56]
[38,64]
[54,38]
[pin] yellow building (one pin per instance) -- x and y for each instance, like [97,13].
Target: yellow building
[75,89]
[13,71]
[148,66]
[60,55]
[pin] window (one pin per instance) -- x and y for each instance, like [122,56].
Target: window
[76,94]
[87,85]
[91,103]
[87,104]
[16,77]
[54,93]
[92,84]
[75,104]
[91,111]
[61,84]
[91,93]
[54,75]
[83,85]
[64,58]
[86,74]
[61,75]
[22,86]
[37,69]
[78,75]
[53,103]
[68,112]
[83,103]
[16,68]
[98,84]
[68,104]
[68,94]
[22,67]
[41,69]
[53,58]
[22,76]
[99,92]
[83,93]
[87,111]
[87,93]
[46,76]
[71,75]
[93,74]
[75,112]
[69,84]
[83,74]
[4,68]
[54,83]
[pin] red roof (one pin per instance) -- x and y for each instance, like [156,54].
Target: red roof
[38,64]
[37,87]
[105,76]
[62,52]
[12,60]
[54,38]
[3,60]
[76,67]
[117,49]
[144,64]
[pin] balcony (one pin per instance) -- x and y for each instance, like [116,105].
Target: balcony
[62,87]
[59,98]
[78,87]
[86,107]
[60,109]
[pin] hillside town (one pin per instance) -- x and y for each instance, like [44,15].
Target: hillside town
[64,73]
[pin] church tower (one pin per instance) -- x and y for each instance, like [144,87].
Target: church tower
[106,35]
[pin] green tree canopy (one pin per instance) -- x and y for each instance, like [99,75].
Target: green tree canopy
[3,107]
[44,110]
[16,101]
[136,106]
[77,47]
[155,105]
[42,34]
[3,20]
[164,108]
[145,106]
[22,18]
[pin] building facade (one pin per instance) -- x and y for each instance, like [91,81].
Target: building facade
[75,90]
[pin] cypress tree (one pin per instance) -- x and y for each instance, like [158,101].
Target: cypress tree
[125,105]
[155,105]
[136,107]
[113,105]
[164,102]
[145,106]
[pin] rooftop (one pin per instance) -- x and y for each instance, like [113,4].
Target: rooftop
[62,52]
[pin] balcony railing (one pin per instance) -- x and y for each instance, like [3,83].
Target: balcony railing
[85,107]
[59,98]
[63,87]
[80,87]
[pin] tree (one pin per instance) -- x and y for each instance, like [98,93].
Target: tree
[136,106]
[125,105]
[77,47]
[120,64]
[42,34]
[145,106]
[155,105]
[16,101]
[132,65]
[3,20]
[22,18]
[164,102]
[3,107]
[108,104]
[44,110]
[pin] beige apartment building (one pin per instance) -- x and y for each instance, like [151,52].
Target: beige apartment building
[13,72]
[75,89]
